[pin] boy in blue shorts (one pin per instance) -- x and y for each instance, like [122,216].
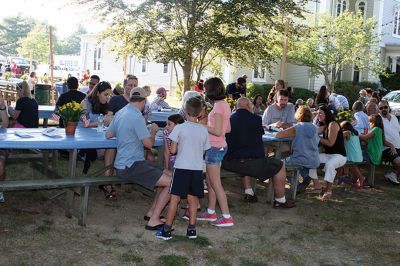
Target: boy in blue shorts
[190,140]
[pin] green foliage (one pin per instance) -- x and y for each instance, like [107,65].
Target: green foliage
[193,33]
[253,89]
[345,116]
[328,43]
[391,81]
[72,44]
[37,43]
[24,77]
[178,91]
[351,90]
[302,94]
[7,75]
[12,29]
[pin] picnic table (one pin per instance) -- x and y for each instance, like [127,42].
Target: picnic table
[35,138]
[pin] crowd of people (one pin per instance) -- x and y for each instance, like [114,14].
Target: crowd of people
[200,142]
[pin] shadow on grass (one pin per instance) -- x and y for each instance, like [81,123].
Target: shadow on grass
[173,260]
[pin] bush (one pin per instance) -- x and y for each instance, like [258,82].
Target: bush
[302,94]
[254,89]
[390,82]
[351,90]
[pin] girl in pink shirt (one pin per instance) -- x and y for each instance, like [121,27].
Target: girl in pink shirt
[218,126]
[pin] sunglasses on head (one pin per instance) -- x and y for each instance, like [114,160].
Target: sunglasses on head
[383,107]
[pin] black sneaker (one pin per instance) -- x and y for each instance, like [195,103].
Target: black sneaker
[250,198]
[191,233]
[286,205]
[165,235]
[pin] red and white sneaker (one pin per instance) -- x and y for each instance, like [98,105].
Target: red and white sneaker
[205,216]
[223,222]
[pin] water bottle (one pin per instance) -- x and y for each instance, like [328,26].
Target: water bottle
[100,123]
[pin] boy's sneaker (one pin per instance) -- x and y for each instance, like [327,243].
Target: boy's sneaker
[286,205]
[223,222]
[1,197]
[205,216]
[186,215]
[165,235]
[191,233]
[392,178]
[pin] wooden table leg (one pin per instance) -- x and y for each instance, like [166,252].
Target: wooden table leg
[71,174]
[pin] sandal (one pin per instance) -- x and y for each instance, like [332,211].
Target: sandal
[109,192]
[326,196]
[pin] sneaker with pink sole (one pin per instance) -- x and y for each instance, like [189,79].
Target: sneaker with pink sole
[205,216]
[223,222]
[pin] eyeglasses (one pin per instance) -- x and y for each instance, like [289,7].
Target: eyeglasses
[383,107]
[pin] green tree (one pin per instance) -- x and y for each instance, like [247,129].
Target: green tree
[37,43]
[12,29]
[192,32]
[72,44]
[330,43]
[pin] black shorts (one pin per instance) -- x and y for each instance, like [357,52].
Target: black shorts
[261,168]
[387,156]
[187,182]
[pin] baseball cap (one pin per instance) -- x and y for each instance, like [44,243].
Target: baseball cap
[161,90]
[138,92]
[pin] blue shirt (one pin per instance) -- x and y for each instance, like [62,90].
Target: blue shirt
[129,127]
[245,139]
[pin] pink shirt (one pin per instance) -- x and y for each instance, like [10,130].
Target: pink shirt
[220,107]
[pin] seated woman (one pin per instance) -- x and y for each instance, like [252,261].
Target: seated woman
[26,111]
[304,144]
[3,153]
[258,105]
[96,104]
[335,153]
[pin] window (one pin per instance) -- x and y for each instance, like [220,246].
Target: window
[356,74]
[144,65]
[341,7]
[259,72]
[396,22]
[165,68]
[361,7]
[97,59]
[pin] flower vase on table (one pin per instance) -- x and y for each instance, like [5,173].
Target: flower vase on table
[71,113]
[70,128]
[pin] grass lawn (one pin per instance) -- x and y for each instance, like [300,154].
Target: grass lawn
[356,227]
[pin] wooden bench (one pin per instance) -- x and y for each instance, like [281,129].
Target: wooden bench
[83,182]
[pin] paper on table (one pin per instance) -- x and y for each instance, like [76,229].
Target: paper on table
[23,135]
[51,132]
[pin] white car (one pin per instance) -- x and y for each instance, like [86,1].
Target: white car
[393,98]
[58,72]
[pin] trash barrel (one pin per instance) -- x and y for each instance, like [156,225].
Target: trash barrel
[42,94]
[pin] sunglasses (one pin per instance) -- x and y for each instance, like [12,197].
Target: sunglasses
[383,107]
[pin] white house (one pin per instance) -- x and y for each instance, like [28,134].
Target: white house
[100,60]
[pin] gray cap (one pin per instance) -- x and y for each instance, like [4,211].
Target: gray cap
[138,92]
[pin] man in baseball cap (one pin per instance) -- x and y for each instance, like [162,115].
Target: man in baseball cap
[129,128]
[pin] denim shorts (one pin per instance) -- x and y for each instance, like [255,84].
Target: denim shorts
[215,155]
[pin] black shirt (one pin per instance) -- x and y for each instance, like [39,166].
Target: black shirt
[29,116]
[117,103]
[231,89]
[245,139]
[69,96]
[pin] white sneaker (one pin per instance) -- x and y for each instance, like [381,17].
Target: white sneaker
[392,178]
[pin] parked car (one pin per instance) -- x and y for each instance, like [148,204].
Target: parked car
[22,64]
[393,98]
[58,71]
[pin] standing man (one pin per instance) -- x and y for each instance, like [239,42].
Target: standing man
[279,114]
[130,163]
[237,90]
[391,142]
[246,154]
[120,101]
[71,95]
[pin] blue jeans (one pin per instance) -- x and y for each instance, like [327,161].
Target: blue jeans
[215,155]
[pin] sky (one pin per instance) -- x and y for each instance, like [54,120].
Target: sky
[58,13]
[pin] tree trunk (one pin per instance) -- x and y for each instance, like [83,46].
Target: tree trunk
[187,74]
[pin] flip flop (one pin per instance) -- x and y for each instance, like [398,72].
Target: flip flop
[153,228]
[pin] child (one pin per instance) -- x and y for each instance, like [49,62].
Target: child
[169,158]
[353,150]
[190,139]
[375,138]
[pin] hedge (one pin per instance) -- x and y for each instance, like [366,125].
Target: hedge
[351,90]
[254,89]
